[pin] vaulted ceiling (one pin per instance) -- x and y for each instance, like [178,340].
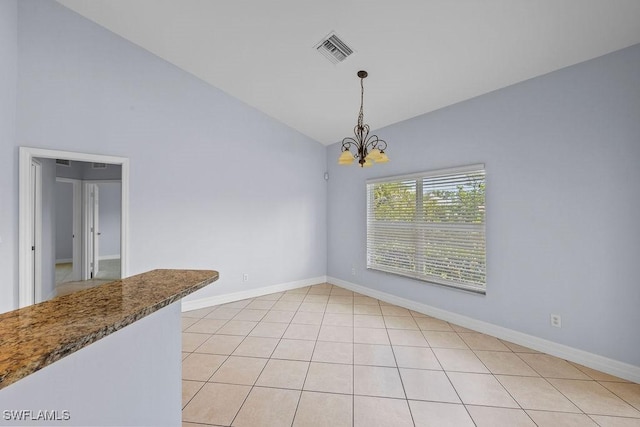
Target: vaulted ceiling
[421,55]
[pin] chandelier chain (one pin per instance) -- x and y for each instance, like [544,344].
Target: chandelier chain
[361,115]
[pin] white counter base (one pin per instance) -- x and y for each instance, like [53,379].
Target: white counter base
[132,377]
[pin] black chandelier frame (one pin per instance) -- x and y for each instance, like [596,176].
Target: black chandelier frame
[363,143]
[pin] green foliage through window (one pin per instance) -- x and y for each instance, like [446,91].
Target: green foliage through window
[430,227]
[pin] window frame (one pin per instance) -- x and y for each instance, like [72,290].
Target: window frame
[418,229]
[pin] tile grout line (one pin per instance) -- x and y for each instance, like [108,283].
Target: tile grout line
[295,413]
[265,365]
[619,396]
[546,379]
[353,359]
[229,356]
[393,352]
[446,374]
[191,353]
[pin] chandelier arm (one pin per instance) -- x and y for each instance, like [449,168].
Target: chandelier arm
[364,135]
[356,132]
[348,142]
[374,142]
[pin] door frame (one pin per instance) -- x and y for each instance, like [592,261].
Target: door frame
[26,291]
[34,229]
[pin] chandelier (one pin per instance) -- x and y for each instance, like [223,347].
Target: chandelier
[368,148]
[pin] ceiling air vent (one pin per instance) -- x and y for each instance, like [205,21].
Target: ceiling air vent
[333,48]
[99,166]
[63,162]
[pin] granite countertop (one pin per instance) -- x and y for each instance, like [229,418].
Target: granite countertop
[36,336]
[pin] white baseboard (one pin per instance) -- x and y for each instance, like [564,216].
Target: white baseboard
[591,360]
[250,293]
[64,261]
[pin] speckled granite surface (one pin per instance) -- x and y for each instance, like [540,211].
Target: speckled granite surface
[36,336]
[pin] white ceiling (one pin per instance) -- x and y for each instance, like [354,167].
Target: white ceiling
[421,55]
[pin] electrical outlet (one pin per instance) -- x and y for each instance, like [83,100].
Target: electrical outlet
[353,270]
[245,277]
[556,321]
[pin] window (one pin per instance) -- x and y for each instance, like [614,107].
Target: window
[429,226]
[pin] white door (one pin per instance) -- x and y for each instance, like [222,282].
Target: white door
[92,230]
[77,230]
[95,232]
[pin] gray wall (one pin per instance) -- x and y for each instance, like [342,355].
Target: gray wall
[8,155]
[561,154]
[64,220]
[215,184]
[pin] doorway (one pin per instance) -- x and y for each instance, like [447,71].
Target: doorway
[30,281]
[100,231]
[87,226]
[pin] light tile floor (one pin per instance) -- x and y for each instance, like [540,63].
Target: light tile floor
[325,356]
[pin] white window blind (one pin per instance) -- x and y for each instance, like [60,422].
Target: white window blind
[429,226]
